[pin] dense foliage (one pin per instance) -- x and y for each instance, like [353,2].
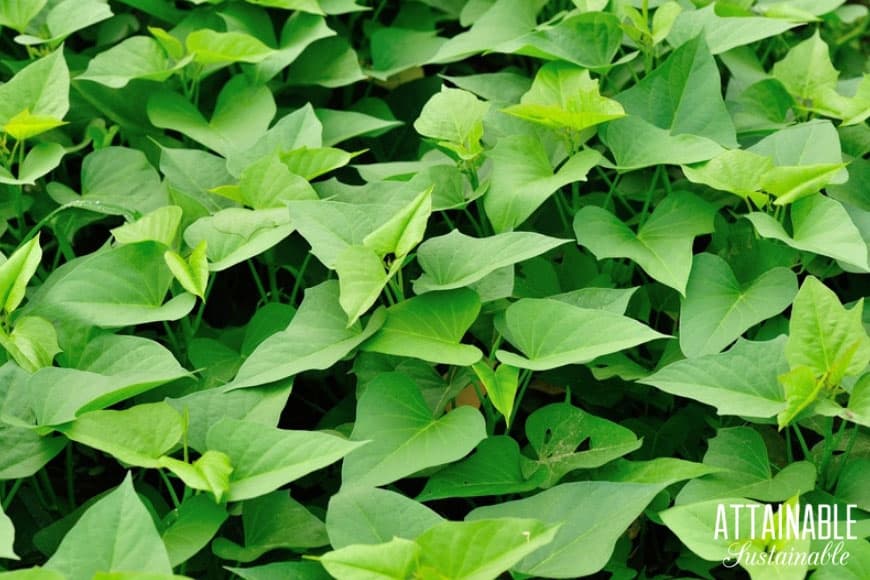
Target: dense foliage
[429,289]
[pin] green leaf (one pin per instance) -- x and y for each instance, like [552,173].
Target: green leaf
[210,47]
[564,96]
[42,87]
[16,272]
[191,527]
[318,336]
[556,431]
[39,161]
[191,273]
[454,118]
[390,561]
[396,49]
[589,40]
[235,234]
[802,389]
[593,516]
[273,521]
[481,549]
[138,57]
[455,260]
[17,15]
[241,116]
[269,184]
[404,230]
[340,125]
[662,245]
[115,534]
[266,458]
[369,515]
[740,381]
[661,470]
[859,402]
[723,33]
[676,113]
[737,171]
[136,436]
[7,537]
[500,385]
[404,437]
[825,336]
[809,75]
[820,225]
[328,62]
[495,468]
[160,225]
[550,334]
[211,472]
[115,287]
[742,455]
[298,32]
[430,327]
[718,309]
[310,163]
[523,179]
[362,277]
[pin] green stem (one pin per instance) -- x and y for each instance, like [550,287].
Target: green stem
[803,443]
[70,477]
[260,288]
[201,310]
[169,488]
[7,500]
[525,379]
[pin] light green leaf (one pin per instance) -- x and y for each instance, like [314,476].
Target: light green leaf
[454,118]
[825,336]
[136,436]
[269,184]
[455,260]
[66,17]
[317,337]
[114,287]
[235,234]
[340,125]
[722,33]
[550,334]
[404,230]
[32,343]
[310,163]
[16,272]
[7,537]
[820,225]
[138,57]
[662,245]
[556,431]
[362,277]
[500,386]
[393,560]
[737,171]
[396,49]
[266,458]
[802,389]
[430,327]
[495,468]
[39,161]
[299,31]
[403,435]
[42,87]
[593,516]
[191,527]
[746,471]
[191,273]
[17,15]
[210,472]
[808,74]
[564,96]
[858,410]
[160,225]
[115,534]
[328,62]
[523,179]
[661,470]
[271,522]
[740,381]
[210,47]
[25,125]
[718,309]
[362,515]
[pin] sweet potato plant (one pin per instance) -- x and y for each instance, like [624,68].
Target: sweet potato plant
[433,289]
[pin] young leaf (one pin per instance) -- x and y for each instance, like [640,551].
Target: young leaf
[16,272]
[25,125]
[403,436]
[717,309]
[404,230]
[392,560]
[115,534]
[66,17]
[210,47]
[42,87]
[801,389]
[361,276]
[160,225]
[265,458]
[210,472]
[455,119]
[662,245]
[7,537]
[550,334]
[430,327]
[500,386]
[32,343]
[192,273]
[825,336]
